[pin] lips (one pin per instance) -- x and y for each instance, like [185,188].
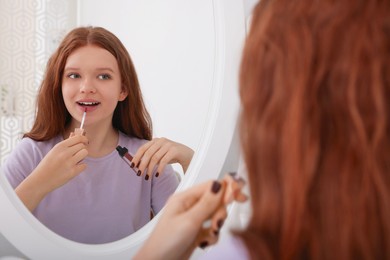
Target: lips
[88,103]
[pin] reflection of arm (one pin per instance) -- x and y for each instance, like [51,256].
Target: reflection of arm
[162,151]
[47,166]
[163,187]
[18,168]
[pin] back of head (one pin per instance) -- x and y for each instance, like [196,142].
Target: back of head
[315,129]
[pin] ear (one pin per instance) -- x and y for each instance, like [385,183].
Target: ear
[122,95]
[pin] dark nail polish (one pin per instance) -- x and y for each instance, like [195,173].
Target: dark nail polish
[146,177]
[157,174]
[233,174]
[139,173]
[132,165]
[138,164]
[220,223]
[216,187]
[203,244]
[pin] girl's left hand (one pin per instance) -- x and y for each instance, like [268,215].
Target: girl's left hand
[160,152]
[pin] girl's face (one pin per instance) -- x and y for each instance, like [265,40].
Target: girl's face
[91,82]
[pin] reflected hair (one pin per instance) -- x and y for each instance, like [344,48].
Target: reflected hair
[315,129]
[52,117]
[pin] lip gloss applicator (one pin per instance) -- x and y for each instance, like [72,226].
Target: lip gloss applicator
[124,153]
[80,131]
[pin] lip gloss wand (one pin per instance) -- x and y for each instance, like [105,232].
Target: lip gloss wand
[80,131]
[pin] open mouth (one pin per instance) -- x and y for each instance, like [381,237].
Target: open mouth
[88,104]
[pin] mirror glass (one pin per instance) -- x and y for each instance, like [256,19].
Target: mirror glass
[176,77]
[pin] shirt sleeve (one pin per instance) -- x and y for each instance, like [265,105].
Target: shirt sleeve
[229,247]
[21,162]
[163,187]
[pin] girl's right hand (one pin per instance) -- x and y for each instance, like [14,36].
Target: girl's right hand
[59,166]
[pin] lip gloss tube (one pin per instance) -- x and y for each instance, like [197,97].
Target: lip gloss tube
[80,131]
[124,153]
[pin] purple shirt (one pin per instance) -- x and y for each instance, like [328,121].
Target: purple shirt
[106,202]
[229,248]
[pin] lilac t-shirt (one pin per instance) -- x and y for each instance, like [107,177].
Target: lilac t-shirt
[106,202]
[229,248]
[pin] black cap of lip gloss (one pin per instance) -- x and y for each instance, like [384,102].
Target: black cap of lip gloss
[121,150]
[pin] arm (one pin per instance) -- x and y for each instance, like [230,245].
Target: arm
[160,152]
[59,166]
[181,227]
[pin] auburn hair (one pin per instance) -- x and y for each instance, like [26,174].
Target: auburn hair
[52,117]
[315,129]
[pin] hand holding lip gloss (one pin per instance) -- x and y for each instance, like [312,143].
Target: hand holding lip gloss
[80,131]
[124,153]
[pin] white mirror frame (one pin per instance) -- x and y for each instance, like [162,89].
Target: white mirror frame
[35,241]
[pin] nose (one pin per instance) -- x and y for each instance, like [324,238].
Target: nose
[87,86]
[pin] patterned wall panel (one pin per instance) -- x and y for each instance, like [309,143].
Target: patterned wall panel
[29,33]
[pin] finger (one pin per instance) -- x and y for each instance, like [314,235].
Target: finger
[218,219]
[72,150]
[208,203]
[75,139]
[140,152]
[146,158]
[181,202]
[79,156]
[156,159]
[160,159]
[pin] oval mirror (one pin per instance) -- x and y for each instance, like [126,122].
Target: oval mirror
[191,51]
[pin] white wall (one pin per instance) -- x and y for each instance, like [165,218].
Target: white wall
[175,77]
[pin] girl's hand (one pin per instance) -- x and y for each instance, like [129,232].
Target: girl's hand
[160,152]
[182,228]
[60,165]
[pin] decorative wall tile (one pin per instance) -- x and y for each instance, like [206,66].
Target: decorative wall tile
[29,33]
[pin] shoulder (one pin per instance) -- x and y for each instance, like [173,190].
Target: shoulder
[131,143]
[28,149]
[230,247]
[24,158]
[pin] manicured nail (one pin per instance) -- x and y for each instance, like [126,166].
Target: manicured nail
[216,187]
[233,174]
[138,164]
[139,173]
[147,177]
[220,223]
[203,244]
[157,174]
[132,165]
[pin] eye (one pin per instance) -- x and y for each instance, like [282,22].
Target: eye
[73,76]
[104,76]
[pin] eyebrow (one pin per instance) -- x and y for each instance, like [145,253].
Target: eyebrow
[100,69]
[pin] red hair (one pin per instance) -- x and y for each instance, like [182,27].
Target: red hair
[130,115]
[315,129]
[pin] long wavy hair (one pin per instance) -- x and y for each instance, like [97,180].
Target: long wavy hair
[315,129]
[52,117]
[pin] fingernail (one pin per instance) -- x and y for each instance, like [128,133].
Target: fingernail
[216,232]
[147,177]
[132,165]
[139,173]
[157,174]
[216,187]
[233,174]
[220,223]
[203,244]
[138,164]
